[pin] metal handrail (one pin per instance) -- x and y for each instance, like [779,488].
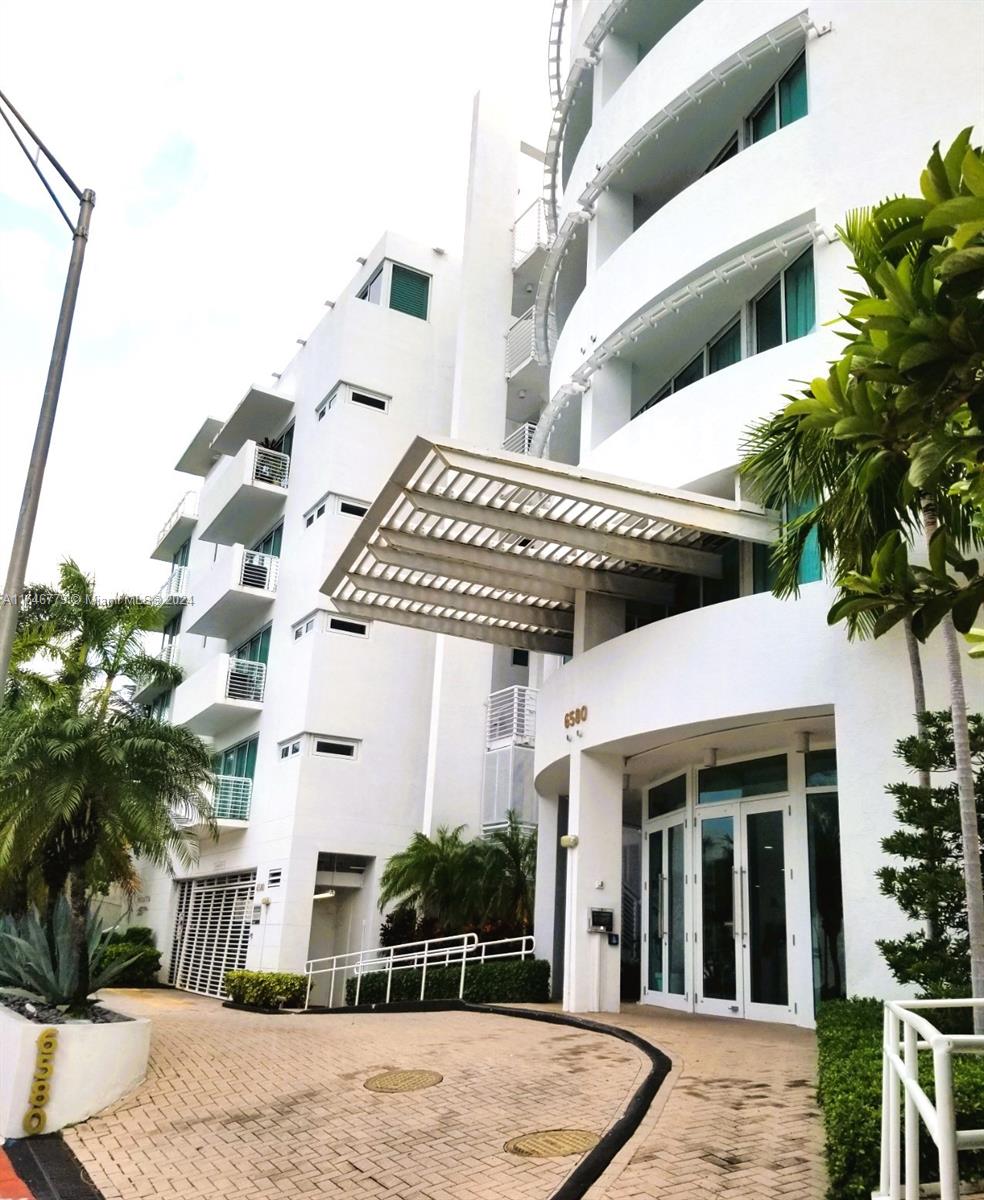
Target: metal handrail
[511,716]
[232,797]
[245,679]
[175,587]
[519,441]
[520,343]
[270,466]
[905,1034]
[529,231]
[187,506]
[463,948]
[258,570]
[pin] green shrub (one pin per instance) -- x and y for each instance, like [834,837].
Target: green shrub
[142,971]
[136,935]
[849,1041]
[504,982]
[265,989]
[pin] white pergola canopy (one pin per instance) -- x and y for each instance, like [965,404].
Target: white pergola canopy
[494,546]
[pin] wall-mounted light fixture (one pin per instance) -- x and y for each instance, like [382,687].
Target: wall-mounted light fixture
[711,756]
[803,742]
[569,841]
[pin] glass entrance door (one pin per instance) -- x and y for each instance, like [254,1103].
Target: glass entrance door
[665,942]
[742,935]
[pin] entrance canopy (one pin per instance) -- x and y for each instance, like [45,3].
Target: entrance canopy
[494,546]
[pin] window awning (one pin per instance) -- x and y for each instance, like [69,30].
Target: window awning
[493,546]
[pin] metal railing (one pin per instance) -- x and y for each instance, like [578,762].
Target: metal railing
[905,1103]
[459,948]
[529,232]
[175,587]
[187,506]
[245,680]
[270,466]
[169,652]
[520,343]
[258,570]
[520,440]
[231,797]
[511,716]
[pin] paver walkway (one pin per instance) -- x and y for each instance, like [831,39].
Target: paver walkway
[239,1105]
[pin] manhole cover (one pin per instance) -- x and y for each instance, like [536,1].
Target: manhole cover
[403,1081]
[552,1143]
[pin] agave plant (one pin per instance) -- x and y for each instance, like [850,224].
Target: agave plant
[44,969]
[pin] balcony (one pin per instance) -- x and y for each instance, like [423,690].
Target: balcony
[220,695]
[145,691]
[246,496]
[175,593]
[177,528]
[511,717]
[238,590]
[260,414]
[520,440]
[231,799]
[526,377]
[530,241]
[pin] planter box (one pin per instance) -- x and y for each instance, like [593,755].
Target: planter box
[46,1084]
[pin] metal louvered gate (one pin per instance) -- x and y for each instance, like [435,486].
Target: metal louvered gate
[211,932]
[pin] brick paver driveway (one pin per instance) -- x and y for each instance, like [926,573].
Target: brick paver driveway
[242,1105]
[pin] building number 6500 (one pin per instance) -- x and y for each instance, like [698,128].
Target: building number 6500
[575,716]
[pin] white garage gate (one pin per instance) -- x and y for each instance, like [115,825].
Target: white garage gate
[211,931]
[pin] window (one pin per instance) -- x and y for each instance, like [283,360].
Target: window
[180,557]
[347,625]
[367,401]
[810,569]
[274,877]
[742,780]
[304,627]
[725,350]
[238,761]
[373,290]
[521,658]
[271,543]
[667,797]
[335,747]
[256,649]
[821,768]
[290,749]
[337,504]
[784,103]
[409,291]
[352,508]
[159,709]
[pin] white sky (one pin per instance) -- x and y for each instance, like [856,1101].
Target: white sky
[242,154]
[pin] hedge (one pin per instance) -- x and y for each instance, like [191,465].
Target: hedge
[265,989]
[504,982]
[849,1043]
[142,972]
[136,935]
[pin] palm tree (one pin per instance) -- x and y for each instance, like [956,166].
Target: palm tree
[88,782]
[439,876]
[508,875]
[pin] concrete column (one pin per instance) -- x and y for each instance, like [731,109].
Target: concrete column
[594,880]
[597,619]
[609,227]
[545,915]
[607,404]
[619,58]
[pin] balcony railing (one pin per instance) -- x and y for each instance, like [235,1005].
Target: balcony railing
[169,652]
[520,343]
[511,717]
[187,506]
[245,680]
[175,589]
[232,797]
[529,232]
[520,440]
[270,466]
[258,570]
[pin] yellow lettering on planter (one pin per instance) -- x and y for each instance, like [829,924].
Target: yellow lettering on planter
[35,1118]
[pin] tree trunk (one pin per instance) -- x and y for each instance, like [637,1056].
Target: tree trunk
[80,909]
[919,701]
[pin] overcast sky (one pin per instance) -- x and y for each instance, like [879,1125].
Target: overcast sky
[242,154]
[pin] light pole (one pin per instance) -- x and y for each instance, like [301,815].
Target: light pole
[14,585]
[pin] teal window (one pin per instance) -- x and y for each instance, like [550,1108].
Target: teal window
[271,543]
[785,102]
[826,897]
[821,768]
[743,780]
[728,587]
[667,797]
[159,709]
[285,443]
[810,568]
[800,303]
[256,649]
[725,350]
[409,291]
[768,318]
[238,760]
[763,572]
[180,557]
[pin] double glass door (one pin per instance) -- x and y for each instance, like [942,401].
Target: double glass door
[716,930]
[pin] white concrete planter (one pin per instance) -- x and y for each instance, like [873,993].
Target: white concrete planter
[47,1083]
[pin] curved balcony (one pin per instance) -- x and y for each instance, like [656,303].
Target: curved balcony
[766,192]
[237,592]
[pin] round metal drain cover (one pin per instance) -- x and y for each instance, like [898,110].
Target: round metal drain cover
[403,1081]
[552,1143]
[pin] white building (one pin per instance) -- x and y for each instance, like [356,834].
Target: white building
[714,759]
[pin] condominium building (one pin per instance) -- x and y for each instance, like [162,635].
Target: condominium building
[710,762]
